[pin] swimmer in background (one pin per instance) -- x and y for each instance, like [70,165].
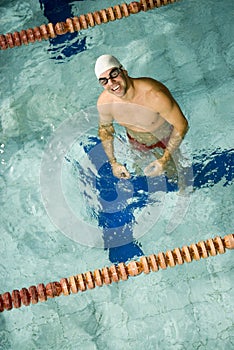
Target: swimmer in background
[145,108]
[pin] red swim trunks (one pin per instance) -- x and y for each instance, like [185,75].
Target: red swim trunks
[143,147]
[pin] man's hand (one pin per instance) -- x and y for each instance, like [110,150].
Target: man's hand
[120,171]
[155,168]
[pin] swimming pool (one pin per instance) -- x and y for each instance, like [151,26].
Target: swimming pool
[189,47]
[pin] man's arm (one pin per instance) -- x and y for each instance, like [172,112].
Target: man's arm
[169,110]
[175,117]
[106,133]
[180,127]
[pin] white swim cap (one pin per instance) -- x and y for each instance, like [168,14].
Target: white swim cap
[104,63]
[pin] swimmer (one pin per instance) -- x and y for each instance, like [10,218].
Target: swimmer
[145,108]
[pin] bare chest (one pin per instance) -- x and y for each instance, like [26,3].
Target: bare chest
[139,119]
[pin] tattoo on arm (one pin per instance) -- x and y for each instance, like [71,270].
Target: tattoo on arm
[106,134]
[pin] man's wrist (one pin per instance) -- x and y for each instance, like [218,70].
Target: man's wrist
[164,159]
[112,161]
[166,156]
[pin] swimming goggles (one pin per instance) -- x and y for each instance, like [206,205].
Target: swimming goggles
[114,73]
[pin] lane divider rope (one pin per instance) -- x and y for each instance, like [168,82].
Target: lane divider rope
[115,273]
[50,30]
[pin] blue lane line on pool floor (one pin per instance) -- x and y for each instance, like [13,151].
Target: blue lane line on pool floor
[116,215]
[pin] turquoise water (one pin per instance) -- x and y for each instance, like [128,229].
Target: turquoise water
[189,47]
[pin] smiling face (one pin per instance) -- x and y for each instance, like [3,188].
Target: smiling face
[114,81]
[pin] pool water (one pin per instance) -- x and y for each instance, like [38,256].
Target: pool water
[45,86]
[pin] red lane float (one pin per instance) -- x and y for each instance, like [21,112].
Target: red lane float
[50,31]
[115,273]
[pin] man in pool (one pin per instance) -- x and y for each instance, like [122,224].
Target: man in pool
[145,108]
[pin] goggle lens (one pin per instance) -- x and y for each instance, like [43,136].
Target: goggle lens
[114,73]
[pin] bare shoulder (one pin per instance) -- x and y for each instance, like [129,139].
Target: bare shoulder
[104,98]
[149,84]
[153,89]
[104,106]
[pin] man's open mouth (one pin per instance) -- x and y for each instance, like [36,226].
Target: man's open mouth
[115,88]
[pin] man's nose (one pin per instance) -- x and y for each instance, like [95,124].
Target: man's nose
[110,81]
